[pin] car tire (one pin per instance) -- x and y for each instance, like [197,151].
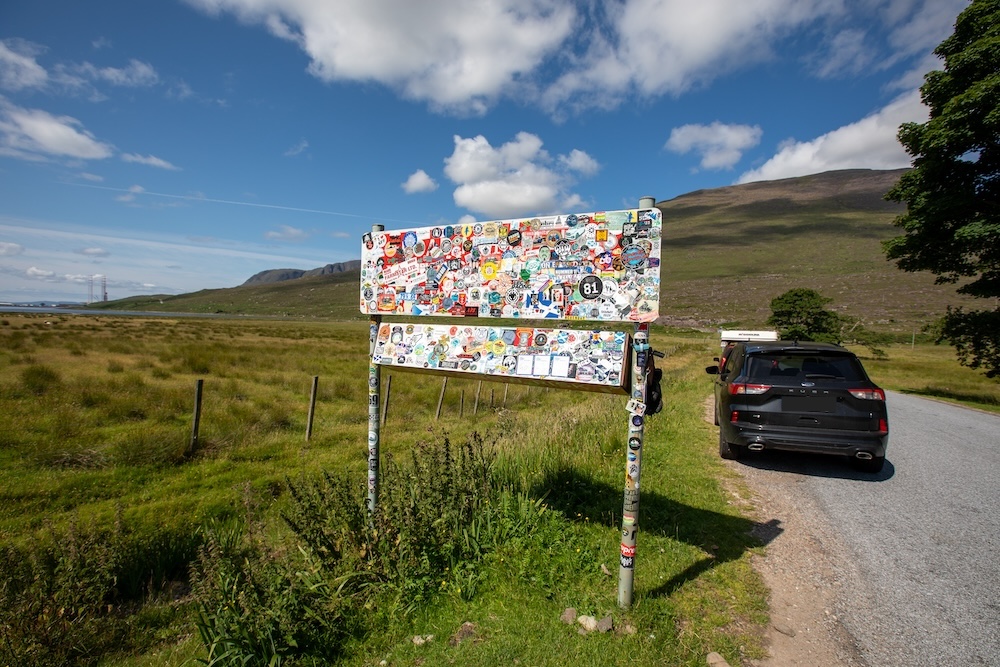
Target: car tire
[872,465]
[727,450]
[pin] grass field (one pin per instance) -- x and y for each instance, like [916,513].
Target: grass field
[97,480]
[105,507]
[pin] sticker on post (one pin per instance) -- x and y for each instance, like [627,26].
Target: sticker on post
[636,407]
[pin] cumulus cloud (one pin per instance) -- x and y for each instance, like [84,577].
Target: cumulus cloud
[517,178]
[34,134]
[721,146]
[149,161]
[452,54]
[10,249]
[656,47]
[870,143]
[18,68]
[287,233]
[419,181]
[35,273]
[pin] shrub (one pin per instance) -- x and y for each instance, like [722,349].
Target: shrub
[38,379]
[437,518]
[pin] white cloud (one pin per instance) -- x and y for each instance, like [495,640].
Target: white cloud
[135,75]
[93,252]
[33,134]
[297,148]
[39,274]
[721,146]
[579,161]
[149,161]
[870,143]
[10,249]
[287,233]
[18,68]
[846,54]
[518,178]
[130,195]
[94,178]
[656,47]
[419,181]
[451,53]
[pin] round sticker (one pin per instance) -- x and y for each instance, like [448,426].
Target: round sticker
[409,240]
[591,287]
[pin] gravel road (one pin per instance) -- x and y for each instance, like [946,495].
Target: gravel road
[914,550]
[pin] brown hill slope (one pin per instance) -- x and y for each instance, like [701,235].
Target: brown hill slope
[728,251]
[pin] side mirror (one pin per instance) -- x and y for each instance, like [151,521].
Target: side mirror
[712,370]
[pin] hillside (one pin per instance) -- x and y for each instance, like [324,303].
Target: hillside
[726,253]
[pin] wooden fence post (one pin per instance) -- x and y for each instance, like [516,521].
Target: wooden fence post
[312,408]
[444,385]
[196,421]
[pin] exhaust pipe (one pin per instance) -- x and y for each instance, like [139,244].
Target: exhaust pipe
[864,456]
[756,446]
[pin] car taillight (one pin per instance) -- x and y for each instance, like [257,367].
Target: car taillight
[875,394]
[743,388]
[734,416]
[883,426]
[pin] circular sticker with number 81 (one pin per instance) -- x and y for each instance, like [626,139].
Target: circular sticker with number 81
[591,287]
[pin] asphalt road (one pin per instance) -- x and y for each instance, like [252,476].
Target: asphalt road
[918,562]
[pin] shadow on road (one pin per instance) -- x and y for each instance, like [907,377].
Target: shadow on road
[580,497]
[814,465]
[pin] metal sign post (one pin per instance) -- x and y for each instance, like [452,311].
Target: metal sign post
[633,466]
[374,391]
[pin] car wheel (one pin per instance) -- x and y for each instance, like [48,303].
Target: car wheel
[872,465]
[727,450]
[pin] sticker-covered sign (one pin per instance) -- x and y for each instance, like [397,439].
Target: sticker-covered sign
[582,266]
[596,360]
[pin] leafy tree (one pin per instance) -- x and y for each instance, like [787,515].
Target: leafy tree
[799,314]
[952,223]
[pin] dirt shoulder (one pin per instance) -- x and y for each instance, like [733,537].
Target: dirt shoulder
[799,569]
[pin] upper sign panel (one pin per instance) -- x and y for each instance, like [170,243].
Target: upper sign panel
[582,266]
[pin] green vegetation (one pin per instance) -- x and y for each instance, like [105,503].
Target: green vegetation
[951,227]
[800,314]
[121,547]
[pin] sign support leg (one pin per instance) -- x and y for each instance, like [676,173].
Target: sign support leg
[633,464]
[374,391]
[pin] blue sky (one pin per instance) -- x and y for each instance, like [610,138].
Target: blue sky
[171,146]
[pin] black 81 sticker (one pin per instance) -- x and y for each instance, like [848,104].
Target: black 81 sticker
[591,287]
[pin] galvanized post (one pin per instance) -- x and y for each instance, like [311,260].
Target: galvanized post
[641,354]
[633,464]
[374,389]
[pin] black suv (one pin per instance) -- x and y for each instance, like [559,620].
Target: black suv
[799,397]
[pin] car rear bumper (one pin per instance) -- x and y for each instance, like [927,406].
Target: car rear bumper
[845,443]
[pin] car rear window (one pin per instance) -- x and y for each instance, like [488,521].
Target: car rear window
[769,366]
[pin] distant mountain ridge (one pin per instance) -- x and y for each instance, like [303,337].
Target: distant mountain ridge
[279,275]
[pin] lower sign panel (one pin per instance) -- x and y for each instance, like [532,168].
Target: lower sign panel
[570,358]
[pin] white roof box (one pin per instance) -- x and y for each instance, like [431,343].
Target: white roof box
[739,334]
